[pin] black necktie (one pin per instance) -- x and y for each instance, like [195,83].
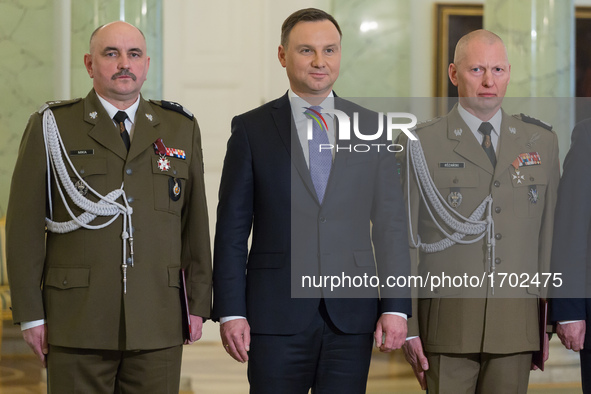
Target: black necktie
[120,118]
[485,128]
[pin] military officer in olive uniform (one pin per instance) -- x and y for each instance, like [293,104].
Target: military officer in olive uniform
[480,339]
[101,307]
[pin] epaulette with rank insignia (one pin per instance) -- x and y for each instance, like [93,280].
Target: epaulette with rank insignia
[426,123]
[57,103]
[173,106]
[537,122]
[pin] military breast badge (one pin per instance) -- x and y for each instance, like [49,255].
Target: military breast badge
[454,199]
[81,187]
[174,186]
[533,194]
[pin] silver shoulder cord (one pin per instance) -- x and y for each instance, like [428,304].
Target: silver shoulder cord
[462,226]
[106,206]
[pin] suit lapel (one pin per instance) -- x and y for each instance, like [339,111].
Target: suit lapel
[144,134]
[287,131]
[104,130]
[467,146]
[510,143]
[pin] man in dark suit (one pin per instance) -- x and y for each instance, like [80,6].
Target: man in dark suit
[571,253]
[102,306]
[308,214]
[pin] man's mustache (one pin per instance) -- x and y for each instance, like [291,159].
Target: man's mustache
[124,72]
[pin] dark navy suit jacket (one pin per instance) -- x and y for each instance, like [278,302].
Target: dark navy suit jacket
[266,186]
[571,247]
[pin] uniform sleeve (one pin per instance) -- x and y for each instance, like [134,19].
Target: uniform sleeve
[25,225]
[411,198]
[196,248]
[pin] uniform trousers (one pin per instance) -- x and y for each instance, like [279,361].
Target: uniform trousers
[480,373]
[321,358]
[84,371]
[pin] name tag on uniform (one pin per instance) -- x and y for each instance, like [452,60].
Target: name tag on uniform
[82,152]
[452,165]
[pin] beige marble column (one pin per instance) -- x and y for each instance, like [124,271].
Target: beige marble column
[376,48]
[539,35]
[27,36]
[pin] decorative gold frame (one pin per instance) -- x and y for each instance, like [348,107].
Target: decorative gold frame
[582,52]
[443,13]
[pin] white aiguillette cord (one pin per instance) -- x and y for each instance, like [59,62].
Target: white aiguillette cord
[106,206]
[431,196]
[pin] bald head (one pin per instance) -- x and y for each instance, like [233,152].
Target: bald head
[107,26]
[482,36]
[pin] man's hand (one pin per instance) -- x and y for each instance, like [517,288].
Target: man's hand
[394,327]
[414,354]
[236,338]
[196,329]
[572,335]
[36,338]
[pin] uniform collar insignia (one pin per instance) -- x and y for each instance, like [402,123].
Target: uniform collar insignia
[93,114]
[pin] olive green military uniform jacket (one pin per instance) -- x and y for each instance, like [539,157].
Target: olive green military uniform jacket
[472,319]
[74,280]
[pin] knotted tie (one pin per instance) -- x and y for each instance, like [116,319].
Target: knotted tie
[120,119]
[485,128]
[320,159]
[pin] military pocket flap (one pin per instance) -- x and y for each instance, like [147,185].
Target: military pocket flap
[174,276]
[364,258]
[87,165]
[170,166]
[67,277]
[461,177]
[265,260]
[528,176]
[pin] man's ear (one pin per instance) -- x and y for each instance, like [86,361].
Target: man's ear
[452,71]
[88,64]
[281,55]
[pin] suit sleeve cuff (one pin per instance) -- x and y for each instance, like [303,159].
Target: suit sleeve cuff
[31,324]
[226,319]
[403,315]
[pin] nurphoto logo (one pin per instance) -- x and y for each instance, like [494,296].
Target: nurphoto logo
[344,122]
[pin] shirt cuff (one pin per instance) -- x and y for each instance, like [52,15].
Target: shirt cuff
[228,318]
[569,321]
[403,315]
[31,324]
